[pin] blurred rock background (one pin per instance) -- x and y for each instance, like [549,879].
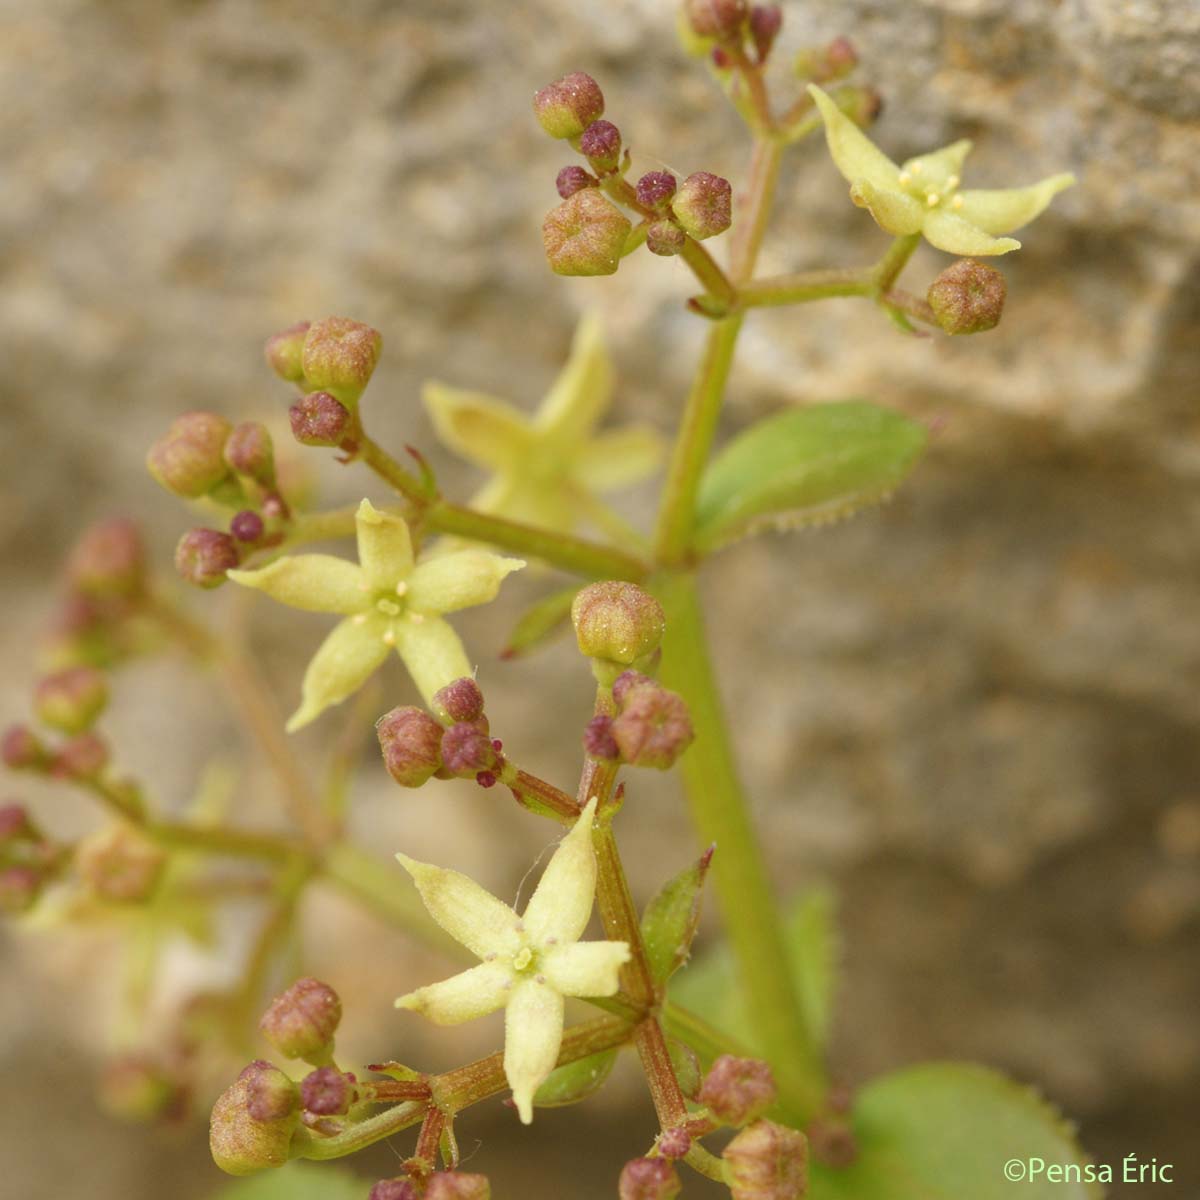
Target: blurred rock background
[976,711]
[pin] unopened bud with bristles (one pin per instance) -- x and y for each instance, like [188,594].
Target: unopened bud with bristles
[108,560]
[284,351]
[767,1162]
[71,700]
[716,18]
[566,107]
[411,742]
[617,621]
[204,556]
[467,750]
[585,235]
[665,238]
[704,205]
[738,1090]
[461,700]
[327,1092]
[320,419]
[253,1121]
[574,179]
[653,727]
[301,1022]
[340,356]
[189,459]
[600,144]
[649,1179]
[766,20]
[457,1185]
[250,452]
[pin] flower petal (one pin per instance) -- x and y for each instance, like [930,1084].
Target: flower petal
[934,171]
[897,212]
[951,233]
[468,913]
[384,546]
[314,582]
[618,458]
[585,968]
[432,652]
[1006,209]
[583,390]
[854,154]
[461,580]
[478,427]
[562,901]
[533,1027]
[342,664]
[464,996]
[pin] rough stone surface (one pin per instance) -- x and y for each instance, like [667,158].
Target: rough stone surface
[985,734]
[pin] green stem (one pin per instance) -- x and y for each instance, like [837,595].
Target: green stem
[805,286]
[706,270]
[220,840]
[719,812]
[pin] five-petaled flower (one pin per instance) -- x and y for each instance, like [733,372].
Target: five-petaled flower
[388,602]
[923,195]
[529,963]
[548,467]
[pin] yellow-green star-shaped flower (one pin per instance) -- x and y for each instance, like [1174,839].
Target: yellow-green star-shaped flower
[923,195]
[548,468]
[389,603]
[529,963]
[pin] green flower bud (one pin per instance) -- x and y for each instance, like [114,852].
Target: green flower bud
[249,451]
[617,621]
[585,235]
[71,700]
[738,1090]
[301,1022]
[968,297]
[767,1162]
[704,205]
[716,18]
[108,560]
[253,1121]
[565,108]
[284,351]
[188,460]
[411,741]
[340,356]
[121,865]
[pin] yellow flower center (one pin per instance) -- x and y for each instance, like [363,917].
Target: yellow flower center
[522,959]
[931,182]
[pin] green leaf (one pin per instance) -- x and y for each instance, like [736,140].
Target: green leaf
[946,1131]
[575,1081]
[540,624]
[805,467]
[298,1181]
[711,986]
[670,920]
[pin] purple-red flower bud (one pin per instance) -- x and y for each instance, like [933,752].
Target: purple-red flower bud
[461,700]
[253,1121]
[968,297]
[285,349]
[394,1189]
[203,556]
[715,18]
[320,419]
[655,189]
[189,458]
[766,20]
[600,144]
[566,107]
[247,526]
[326,1092]
[250,451]
[82,757]
[411,742]
[71,700]
[109,559]
[301,1022]
[340,356]
[738,1090]
[704,205]
[574,179]
[467,750]
[767,1162]
[665,238]
[648,1179]
[598,741]
[585,235]
[674,1143]
[626,682]
[653,727]
[22,750]
[457,1185]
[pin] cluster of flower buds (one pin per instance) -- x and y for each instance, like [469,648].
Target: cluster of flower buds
[651,728]
[441,1185]
[106,579]
[28,859]
[457,744]
[203,455]
[968,297]
[587,234]
[330,361]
